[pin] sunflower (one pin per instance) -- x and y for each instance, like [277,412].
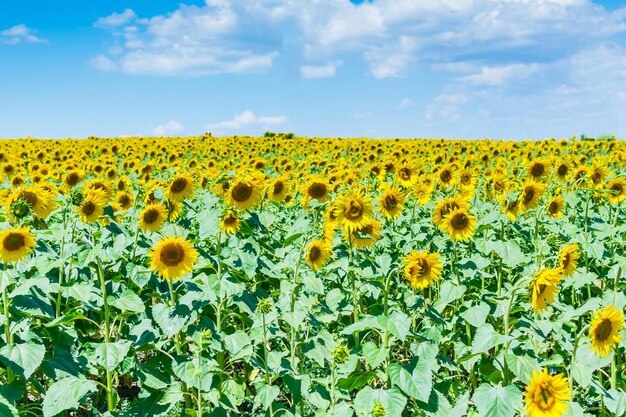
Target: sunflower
[243,194]
[422,268]
[40,200]
[538,168]
[353,210]
[467,179]
[617,190]
[152,217]
[172,257]
[230,222]
[544,288]
[124,200]
[568,259]
[366,236]
[422,193]
[556,207]
[562,171]
[73,178]
[98,184]
[391,202]
[445,176]
[459,224]
[180,188]
[605,329]
[315,189]
[598,174]
[530,195]
[445,206]
[318,253]
[546,395]
[16,244]
[406,175]
[278,189]
[92,206]
[510,207]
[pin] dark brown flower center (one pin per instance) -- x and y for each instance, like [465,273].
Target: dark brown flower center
[405,174]
[529,193]
[278,187]
[390,202]
[460,221]
[353,210]
[553,208]
[178,185]
[545,398]
[13,241]
[562,170]
[537,170]
[604,329]
[445,175]
[617,187]
[150,216]
[72,179]
[88,208]
[124,200]
[317,190]
[172,254]
[230,219]
[315,253]
[241,192]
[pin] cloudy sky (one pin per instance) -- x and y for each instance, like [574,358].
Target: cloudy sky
[382,68]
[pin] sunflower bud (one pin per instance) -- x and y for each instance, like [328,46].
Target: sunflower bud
[379,410]
[77,197]
[554,241]
[264,306]
[20,208]
[341,354]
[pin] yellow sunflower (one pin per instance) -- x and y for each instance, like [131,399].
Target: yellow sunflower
[510,207]
[93,205]
[152,218]
[530,195]
[98,184]
[568,259]
[40,200]
[406,175]
[16,244]
[617,190]
[445,206]
[422,193]
[243,194]
[459,224]
[315,189]
[124,200]
[556,207]
[353,210]
[278,189]
[180,188]
[366,236]
[422,268]
[467,179]
[605,329]
[318,253]
[230,222]
[391,202]
[73,178]
[546,395]
[562,171]
[172,257]
[538,168]
[544,288]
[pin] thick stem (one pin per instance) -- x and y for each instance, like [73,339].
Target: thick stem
[107,335]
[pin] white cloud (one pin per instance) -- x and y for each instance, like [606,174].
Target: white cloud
[498,75]
[116,19]
[363,114]
[102,63]
[19,34]
[318,71]
[404,104]
[389,36]
[170,128]
[246,119]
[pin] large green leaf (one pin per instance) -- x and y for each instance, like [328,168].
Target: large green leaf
[24,358]
[109,355]
[66,394]
[393,401]
[497,401]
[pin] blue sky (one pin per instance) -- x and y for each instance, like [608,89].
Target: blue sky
[381,68]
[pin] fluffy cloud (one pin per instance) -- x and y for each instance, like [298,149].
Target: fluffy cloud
[19,34]
[170,128]
[389,36]
[244,120]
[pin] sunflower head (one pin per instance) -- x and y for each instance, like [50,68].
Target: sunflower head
[353,210]
[568,259]
[605,328]
[556,207]
[365,236]
[180,188]
[445,206]
[318,253]
[243,194]
[230,222]
[546,395]
[530,195]
[278,189]
[422,268]
[16,244]
[616,190]
[544,288]
[459,224]
[93,205]
[152,217]
[315,189]
[172,257]
[391,202]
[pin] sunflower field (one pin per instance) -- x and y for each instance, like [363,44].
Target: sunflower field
[290,276]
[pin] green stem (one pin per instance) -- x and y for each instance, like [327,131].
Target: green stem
[268,380]
[132,258]
[107,335]
[571,374]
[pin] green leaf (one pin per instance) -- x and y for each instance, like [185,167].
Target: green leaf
[449,292]
[476,315]
[398,324]
[497,401]
[392,399]
[356,380]
[66,394]
[23,359]
[265,395]
[486,338]
[616,402]
[128,301]
[171,321]
[373,354]
[417,384]
[109,355]
[238,345]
